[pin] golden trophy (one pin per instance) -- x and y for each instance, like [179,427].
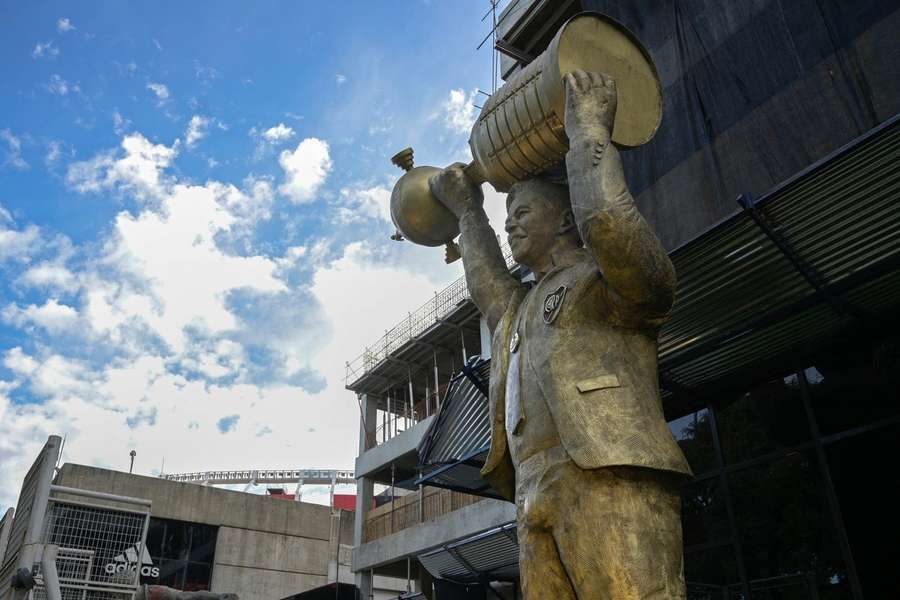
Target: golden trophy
[520,132]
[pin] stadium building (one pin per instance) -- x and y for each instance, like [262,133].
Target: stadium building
[774,182]
[107,532]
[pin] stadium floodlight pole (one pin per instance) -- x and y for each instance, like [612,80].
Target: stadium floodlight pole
[132,454]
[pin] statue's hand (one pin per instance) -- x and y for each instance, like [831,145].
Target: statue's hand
[590,105]
[456,191]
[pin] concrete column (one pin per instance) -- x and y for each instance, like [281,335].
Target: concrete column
[365,490]
[485,338]
[5,529]
[367,421]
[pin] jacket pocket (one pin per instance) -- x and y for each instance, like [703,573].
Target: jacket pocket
[600,382]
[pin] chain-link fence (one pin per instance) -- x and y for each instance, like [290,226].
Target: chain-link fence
[414,324]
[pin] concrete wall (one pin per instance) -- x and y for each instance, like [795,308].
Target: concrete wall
[205,504]
[266,548]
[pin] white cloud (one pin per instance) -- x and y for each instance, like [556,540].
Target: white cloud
[18,244]
[278,133]
[268,139]
[120,123]
[305,169]
[49,275]
[249,205]
[13,155]
[64,25]
[60,87]
[160,90]
[459,111]
[138,171]
[54,152]
[51,316]
[204,73]
[340,79]
[51,374]
[45,50]
[181,277]
[157,44]
[182,325]
[365,202]
[196,130]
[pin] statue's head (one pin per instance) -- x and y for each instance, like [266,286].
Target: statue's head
[539,221]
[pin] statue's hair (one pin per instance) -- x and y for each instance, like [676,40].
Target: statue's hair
[551,189]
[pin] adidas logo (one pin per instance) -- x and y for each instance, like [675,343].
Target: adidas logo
[131,556]
[129,561]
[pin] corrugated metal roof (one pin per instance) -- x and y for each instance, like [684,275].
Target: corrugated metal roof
[462,423]
[492,555]
[453,450]
[742,300]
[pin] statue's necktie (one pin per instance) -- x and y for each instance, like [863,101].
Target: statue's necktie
[515,410]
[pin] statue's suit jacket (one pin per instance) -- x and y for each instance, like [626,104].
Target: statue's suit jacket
[595,362]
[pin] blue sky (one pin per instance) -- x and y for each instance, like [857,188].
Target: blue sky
[193,219]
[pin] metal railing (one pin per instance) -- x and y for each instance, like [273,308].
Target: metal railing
[392,424]
[414,324]
[409,511]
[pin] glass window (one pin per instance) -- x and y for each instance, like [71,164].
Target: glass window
[862,470]
[182,554]
[703,514]
[855,387]
[203,542]
[693,434]
[786,531]
[171,573]
[197,577]
[767,418]
[709,572]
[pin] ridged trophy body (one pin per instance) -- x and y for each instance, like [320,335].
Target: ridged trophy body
[520,132]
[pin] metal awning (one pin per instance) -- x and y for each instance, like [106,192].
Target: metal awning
[453,450]
[811,258]
[492,555]
[463,475]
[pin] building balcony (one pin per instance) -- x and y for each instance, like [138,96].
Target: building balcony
[413,510]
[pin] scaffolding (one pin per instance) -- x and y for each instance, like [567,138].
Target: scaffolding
[414,325]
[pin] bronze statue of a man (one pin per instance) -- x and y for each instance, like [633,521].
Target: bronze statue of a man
[578,437]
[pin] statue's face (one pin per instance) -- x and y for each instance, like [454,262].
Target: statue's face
[532,225]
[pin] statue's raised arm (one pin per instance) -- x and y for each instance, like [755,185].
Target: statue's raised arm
[487,275]
[639,279]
